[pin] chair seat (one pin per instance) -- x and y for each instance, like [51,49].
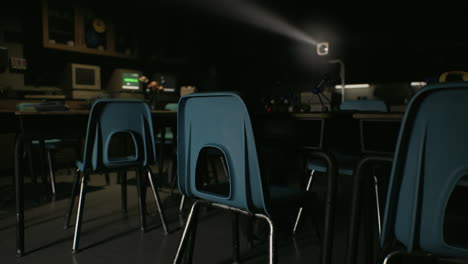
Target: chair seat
[281,197]
[346,163]
[167,141]
[116,163]
[283,193]
[285,200]
[49,143]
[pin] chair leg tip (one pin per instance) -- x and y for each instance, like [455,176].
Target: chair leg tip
[74,251]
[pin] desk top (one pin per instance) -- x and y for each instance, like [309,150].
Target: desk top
[380,116]
[312,115]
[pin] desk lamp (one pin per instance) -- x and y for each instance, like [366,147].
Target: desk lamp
[322,50]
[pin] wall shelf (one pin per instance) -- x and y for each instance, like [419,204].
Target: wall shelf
[73,28]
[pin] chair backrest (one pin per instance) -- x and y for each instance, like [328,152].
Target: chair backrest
[364,105]
[430,158]
[221,121]
[112,117]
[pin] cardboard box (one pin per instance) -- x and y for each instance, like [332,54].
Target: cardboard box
[187,90]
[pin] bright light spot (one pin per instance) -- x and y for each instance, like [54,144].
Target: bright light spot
[418,84]
[353,86]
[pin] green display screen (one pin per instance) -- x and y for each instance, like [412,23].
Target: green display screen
[130,81]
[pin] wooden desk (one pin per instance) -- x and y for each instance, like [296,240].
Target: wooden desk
[46,125]
[314,133]
[378,132]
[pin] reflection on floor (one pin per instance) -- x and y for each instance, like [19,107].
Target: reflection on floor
[111,236]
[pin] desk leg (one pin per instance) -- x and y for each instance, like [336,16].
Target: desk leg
[42,162]
[162,141]
[353,236]
[235,237]
[19,182]
[330,209]
[122,175]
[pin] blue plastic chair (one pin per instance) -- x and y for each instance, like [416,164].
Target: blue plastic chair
[346,161]
[430,160]
[169,139]
[51,146]
[220,121]
[107,119]
[169,136]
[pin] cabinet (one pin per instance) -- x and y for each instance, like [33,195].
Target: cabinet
[83,29]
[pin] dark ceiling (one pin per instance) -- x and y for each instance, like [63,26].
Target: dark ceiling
[377,43]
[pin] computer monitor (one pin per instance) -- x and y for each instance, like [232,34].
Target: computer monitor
[166,80]
[82,76]
[125,80]
[395,93]
[169,93]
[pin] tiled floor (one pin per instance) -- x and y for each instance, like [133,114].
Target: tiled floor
[111,236]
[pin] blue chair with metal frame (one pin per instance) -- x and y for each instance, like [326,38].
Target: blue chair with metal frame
[203,128]
[51,146]
[169,141]
[109,118]
[346,161]
[430,162]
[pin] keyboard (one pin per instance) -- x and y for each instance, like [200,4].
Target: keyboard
[50,106]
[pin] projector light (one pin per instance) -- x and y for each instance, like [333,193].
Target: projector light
[322,48]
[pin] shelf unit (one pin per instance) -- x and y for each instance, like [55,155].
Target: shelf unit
[67,27]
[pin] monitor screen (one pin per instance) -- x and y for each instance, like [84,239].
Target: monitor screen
[130,81]
[125,80]
[84,76]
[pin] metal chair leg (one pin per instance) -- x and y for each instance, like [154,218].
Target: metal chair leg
[30,163]
[123,189]
[72,199]
[235,237]
[51,171]
[141,199]
[187,230]
[79,215]
[107,178]
[42,161]
[174,182]
[158,202]
[390,256]
[309,183]
[188,256]
[181,206]
[271,245]
[377,205]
